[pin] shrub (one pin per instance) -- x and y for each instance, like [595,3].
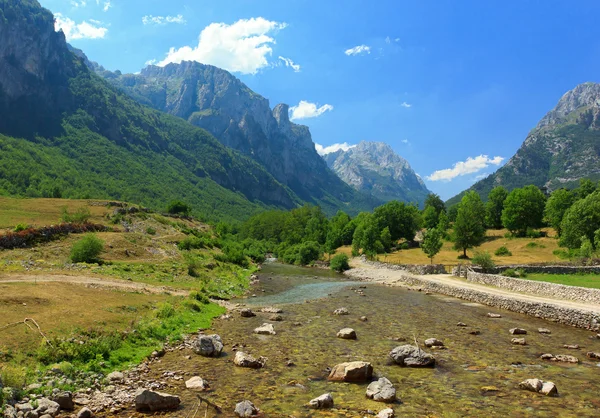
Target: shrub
[339,263]
[405,246]
[510,273]
[192,305]
[233,252]
[195,243]
[150,231]
[199,296]
[13,376]
[534,233]
[80,216]
[87,249]
[21,227]
[165,310]
[177,207]
[535,245]
[566,254]
[484,260]
[502,251]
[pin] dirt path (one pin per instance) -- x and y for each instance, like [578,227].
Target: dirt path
[368,272]
[90,281]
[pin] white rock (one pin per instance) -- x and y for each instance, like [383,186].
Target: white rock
[196,383]
[265,329]
[322,402]
[347,334]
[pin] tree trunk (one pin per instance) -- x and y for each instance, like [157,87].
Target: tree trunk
[465,252]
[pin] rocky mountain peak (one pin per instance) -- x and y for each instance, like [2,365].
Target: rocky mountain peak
[281,113]
[584,97]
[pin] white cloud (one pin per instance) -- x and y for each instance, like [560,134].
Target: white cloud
[481,176]
[406,105]
[106,6]
[83,30]
[240,47]
[405,141]
[332,148]
[81,3]
[461,168]
[163,20]
[150,62]
[358,50]
[289,63]
[306,110]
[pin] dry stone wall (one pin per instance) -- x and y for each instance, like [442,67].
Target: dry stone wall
[420,269]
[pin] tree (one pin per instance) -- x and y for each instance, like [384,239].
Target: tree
[87,249]
[453,212]
[366,236]
[443,224]
[432,243]
[523,208]
[402,219]
[430,217]
[339,263]
[469,228]
[581,219]
[335,233]
[557,205]
[494,207]
[386,239]
[586,188]
[434,201]
[177,207]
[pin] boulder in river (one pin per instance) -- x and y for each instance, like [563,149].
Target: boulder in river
[571,346]
[354,371]
[196,383]
[411,356]
[518,331]
[538,386]
[347,334]
[381,390]
[322,402]
[433,342]
[64,399]
[247,313]
[544,331]
[518,341]
[276,317]
[386,413]
[85,412]
[246,360]
[341,311]
[566,358]
[593,355]
[494,315]
[208,345]
[265,329]
[270,309]
[246,409]
[148,400]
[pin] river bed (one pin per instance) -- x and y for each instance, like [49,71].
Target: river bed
[396,316]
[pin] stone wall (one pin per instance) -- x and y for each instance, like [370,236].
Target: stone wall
[569,316]
[553,290]
[556,269]
[420,269]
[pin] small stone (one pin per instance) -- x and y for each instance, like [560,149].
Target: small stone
[544,331]
[64,400]
[85,412]
[386,413]
[549,389]
[270,309]
[115,377]
[347,334]
[265,329]
[355,371]
[433,342]
[565,358]
[246,360]
[245,409]
[461,324]
[276,317]
[322,402]
[196,383]
[46,406]
[547,356]
[341,311]
[364,318]
[571,346]
[593,355]
[381,390]
[290,363]
[208,345]
[475,332]
[494,315]
[411,356]
[518,341]
[533,385]
[247,313]
[517,331]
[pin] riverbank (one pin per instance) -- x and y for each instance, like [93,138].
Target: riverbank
[577,314]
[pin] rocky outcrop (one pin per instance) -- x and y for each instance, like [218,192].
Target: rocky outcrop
[411,356]
[381,390]
[322,402]
[208,345]
[245,409]
[373,167]
[148,400]
[355,371]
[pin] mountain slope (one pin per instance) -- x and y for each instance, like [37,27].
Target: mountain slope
[215,100]
[563,148]
[373,167]
[82,137]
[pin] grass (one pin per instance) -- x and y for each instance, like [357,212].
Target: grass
[582,280]
[518,247]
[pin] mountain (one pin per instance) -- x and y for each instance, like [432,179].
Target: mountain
[65,131]
[373,167]
[215,100]
[563,148]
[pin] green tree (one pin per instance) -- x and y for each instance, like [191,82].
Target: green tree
[430,217]
[339,263]
[87,249]
[581,219]
[335,232]
[453,212]
[432,243]
[177,207]
[443,224]
[523,208]
[586,188]
[386,239]
[494,207]
[587,248]
[557,205]
[367,236]
[469,228]
[402,219]
[434,201]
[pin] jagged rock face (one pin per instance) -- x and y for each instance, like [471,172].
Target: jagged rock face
[375,168]
[562,149]
[215,100]
[36,66]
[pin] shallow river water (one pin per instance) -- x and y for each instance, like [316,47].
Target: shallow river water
[454,388]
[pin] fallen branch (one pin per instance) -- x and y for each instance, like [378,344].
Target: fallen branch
[209,403]
[26,323]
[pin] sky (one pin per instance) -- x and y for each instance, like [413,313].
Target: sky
[452,86]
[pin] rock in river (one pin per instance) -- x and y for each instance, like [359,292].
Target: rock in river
[322,402]
[386,413]
[411,356]
[341,311]
[518,341]
[208,345]
[247,313]
[433,342]
[517,331]
[536,385]
[246,360]
[355,371]
[196,383]
[148,400]
[246,409]
[381,390]
[347,334]
[265,329]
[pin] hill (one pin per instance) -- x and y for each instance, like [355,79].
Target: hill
[374,168]
[562,149]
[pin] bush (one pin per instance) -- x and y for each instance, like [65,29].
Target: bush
[87,249]
[534,245]
[150,231]
[80,216]
[195,243]
[520,273]
[165,310]
[484,260]
[21,227]
[534,233]
[177,207]
[566,254]
[233,252]
[405,246]
[199,296]
[339,263]
[502,251]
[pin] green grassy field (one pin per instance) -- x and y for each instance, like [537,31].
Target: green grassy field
[582,280]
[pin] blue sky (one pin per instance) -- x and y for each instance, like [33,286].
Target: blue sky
[445,83]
